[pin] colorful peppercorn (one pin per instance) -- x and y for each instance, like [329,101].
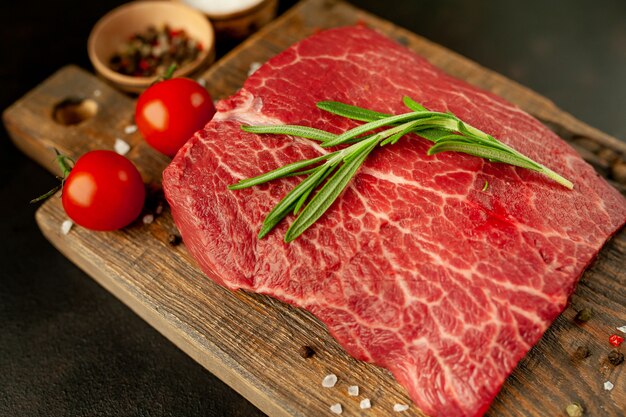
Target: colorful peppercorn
[584,315]
[574,410]
[616,340]
[153,51]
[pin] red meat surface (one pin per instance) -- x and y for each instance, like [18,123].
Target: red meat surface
[414,268]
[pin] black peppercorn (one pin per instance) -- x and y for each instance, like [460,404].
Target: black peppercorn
[616,357]
[174,240]
[581,353]
[306,351]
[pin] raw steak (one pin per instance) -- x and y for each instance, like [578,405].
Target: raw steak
[415,267]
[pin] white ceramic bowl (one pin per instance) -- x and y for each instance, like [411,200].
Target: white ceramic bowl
[237,22]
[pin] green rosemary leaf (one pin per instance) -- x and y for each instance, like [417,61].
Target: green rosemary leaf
[327,195]
[482,151]
[431,134]
[355,150]
[303,198]
[475,133]
[287,204]
[284,171]
[357,139]
[359,130]
[441,121]
[405,129]
[309,182]
[431,128]
[478,136]
[413,105]
[269,224]
[292,130]
[454,138]
[556,177]
[500,153]
[442,125]
[489,142]
[351,112]
[300,173]
[485,186]
[300,131]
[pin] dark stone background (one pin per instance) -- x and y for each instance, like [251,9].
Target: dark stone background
[68,348]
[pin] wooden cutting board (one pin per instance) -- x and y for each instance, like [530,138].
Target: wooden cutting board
[252,342]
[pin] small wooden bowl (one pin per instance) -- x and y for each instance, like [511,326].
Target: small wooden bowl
[117,26]
[241,23]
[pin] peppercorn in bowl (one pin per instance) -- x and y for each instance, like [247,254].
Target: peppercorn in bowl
[136,43]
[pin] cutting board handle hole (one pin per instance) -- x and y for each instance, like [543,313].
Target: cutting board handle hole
[74,110]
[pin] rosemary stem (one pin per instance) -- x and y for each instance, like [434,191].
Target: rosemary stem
[332,172]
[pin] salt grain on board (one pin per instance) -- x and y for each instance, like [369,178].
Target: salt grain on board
[130,129]
[353,390]
[622,329]
[201,81]
[253,67]
[398,408]
[336,408]
[148,218]
[329,381]
[97,93]
[365,404]
[121,147]
[66,226]
[608,386]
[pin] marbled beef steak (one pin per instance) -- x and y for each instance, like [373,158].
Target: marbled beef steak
[415,267]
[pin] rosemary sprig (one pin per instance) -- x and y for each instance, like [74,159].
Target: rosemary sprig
[335,169]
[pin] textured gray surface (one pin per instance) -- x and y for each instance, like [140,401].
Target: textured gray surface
[68,348]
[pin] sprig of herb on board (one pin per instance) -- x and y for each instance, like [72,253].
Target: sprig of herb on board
[333,171]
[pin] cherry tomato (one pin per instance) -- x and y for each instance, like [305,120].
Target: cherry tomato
[171,111]
[104,191]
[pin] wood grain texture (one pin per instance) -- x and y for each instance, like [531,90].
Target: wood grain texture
[252,341]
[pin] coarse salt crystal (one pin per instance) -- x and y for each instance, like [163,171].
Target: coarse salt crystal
[253,67]
[622,329]
[201,81]
[336,408]
[130,129]
[148,218]
[66,226]
[398,408]
[159,208]
[97,93]
[121,147]
[329,381]
[608,385]
[365,404]
[353,390]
